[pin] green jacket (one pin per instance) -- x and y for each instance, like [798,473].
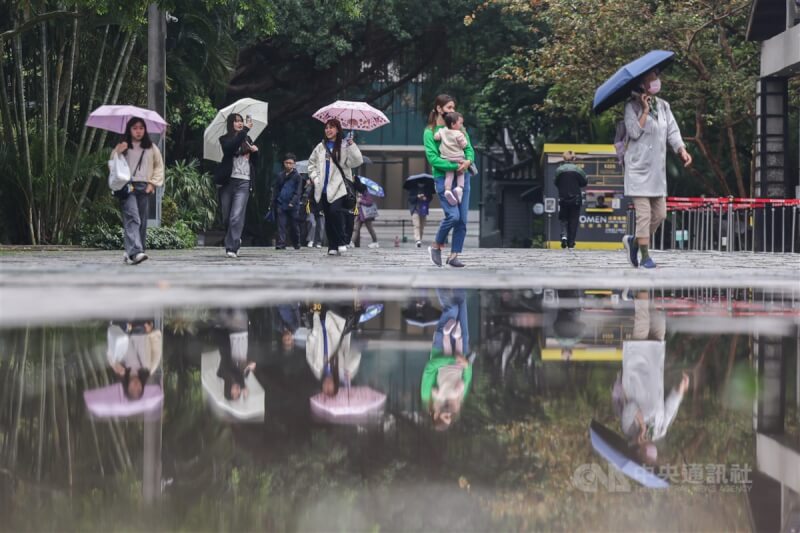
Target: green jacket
[438,164]
[429,375]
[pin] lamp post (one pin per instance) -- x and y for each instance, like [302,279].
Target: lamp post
[156,84]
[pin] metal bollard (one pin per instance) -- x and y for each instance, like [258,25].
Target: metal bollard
[794,222]
[783,228]
[674,229]
[730,224]
[772,228]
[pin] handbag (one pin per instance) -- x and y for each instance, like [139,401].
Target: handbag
[128,187]
[119,174]
[349,201]
[422,208]
[369,212]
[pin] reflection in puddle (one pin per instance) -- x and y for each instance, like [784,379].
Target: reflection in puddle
[455,410]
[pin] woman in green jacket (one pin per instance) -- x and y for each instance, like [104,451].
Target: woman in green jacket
[455,216]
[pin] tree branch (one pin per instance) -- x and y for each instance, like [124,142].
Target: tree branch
[30,23]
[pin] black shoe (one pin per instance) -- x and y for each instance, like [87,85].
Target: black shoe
[563,242]
[280,247]
[455,263]
[436,256]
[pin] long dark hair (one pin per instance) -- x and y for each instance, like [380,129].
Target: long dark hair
[245,147]
[441,101]
[143,374]
[128,138]
[337,144]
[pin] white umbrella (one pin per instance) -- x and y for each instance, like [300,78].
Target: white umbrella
[301,166]
[353,115]
[218,127]
[249,408]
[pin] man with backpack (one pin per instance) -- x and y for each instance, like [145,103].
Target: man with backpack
[570,179]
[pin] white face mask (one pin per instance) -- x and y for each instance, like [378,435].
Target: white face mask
[655,86]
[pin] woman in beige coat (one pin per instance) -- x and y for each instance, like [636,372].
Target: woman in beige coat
[332,162]
[147,173]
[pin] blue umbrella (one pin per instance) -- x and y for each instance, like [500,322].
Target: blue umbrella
[615,450]
[618,87]
[373,188]
[370,312]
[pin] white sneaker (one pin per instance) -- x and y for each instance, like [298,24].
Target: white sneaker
[126,259]
[310,244]
[374,245]
[333,252]
[232,255]
[351,245]
[342,249]
[419,244]
[138,258]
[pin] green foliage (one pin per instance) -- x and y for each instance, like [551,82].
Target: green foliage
[169,211]
[193,192]
[108,237]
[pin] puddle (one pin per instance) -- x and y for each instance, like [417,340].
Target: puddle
[457,410]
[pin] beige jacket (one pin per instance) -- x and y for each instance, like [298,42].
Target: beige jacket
[452,144]
[351,158]
[152,165]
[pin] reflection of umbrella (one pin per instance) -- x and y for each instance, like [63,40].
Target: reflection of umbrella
[370,312]
[353,115]
[250,408]
[219,126]
[373,188]
[115,118]
[618,87]
[351,405]
[111,402]
[422,316]
[614,449]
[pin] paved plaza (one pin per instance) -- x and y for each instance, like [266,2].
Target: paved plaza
[58,285]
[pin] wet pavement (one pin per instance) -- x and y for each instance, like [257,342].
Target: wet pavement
[387,405]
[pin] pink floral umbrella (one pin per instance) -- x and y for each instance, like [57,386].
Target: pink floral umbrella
[351,405]
[115,118]
[110,401]
[353,115]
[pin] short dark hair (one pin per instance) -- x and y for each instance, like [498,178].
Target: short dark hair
[451,118]
[289,155]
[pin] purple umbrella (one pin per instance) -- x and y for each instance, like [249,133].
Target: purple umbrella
[110,402]
[353,115]
[115,118]
[351,405]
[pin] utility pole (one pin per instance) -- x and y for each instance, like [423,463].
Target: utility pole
[156,85]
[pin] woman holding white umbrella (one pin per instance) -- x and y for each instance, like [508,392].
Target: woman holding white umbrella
[233,177]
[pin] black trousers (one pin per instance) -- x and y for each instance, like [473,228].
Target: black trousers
[288,223]
[334,222]
[569,213]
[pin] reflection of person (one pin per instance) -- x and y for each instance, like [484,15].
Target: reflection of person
[568,327]
[289,317]
[231,337]
[136,364]
[639,392]
[329,353]
[448,374]
[650,125]
[570,179]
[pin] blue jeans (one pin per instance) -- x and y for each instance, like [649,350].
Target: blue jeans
[233,198]
[454,306]
[455,216]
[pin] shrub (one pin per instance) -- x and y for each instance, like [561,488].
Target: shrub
[162,238]
[193,193]
[169,211]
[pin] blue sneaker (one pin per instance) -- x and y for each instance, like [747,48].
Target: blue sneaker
[632,249]
[648,263]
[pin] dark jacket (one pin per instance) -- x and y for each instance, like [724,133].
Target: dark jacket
[287,189]
[307,196]
[570,179]
[231,146]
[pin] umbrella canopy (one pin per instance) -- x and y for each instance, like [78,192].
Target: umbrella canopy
[110,402]
[618,87]
[351,405]
[421,316]
[219,127]
[247,409]
[419,181]
[353,115]
[301,166]
[370,312]
[373,188]
[614,449]
[115,118]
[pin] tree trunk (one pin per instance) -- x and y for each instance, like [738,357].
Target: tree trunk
[56,98]
[120,80]
[8,121]
[84,129]
[26,147]
[57,230]
[45,96]
[66,409]
[112,79]
[737,165]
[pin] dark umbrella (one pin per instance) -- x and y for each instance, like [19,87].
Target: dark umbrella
[421,181]
[618,87]
[614,449]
